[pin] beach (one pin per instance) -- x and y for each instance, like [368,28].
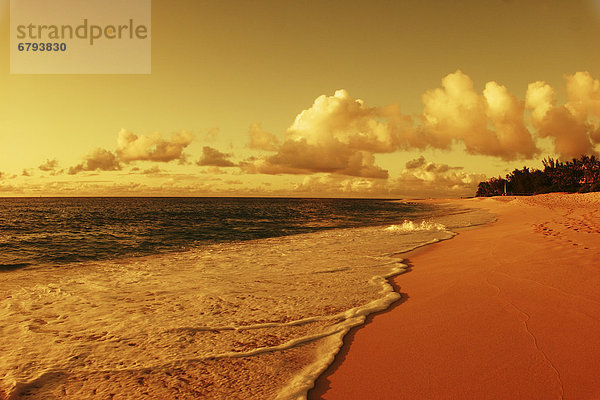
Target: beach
[510,310]
[484,298]
[219,319]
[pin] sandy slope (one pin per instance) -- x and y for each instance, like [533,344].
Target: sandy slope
[506,311]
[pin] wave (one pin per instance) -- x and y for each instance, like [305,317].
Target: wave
[298,387]
[253,319]
[13,266]
[410,226]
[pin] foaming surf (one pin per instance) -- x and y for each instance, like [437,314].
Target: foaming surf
[411,226]
[248,319]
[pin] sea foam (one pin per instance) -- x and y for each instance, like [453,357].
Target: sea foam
[255,319]
[411,226]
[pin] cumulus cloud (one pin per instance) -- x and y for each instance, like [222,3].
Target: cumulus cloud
[97,160]
[132,147]
[422,178]
[337,134]
[215,158]
[344,119]
[583,95]
[421,163]
[488,124]
[340,134]
[419,178]
[49,165]
[152,171]
[416,163]
[260,139]
[539,100]
[573,127]
[301,157]
[336,185]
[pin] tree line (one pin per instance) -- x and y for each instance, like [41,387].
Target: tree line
[578,175]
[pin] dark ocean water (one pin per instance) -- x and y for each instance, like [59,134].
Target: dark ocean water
[64,230]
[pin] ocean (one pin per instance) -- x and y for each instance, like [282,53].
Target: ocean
[187,298]
[63,230]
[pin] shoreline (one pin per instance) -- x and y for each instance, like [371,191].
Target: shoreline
[492,313]
[131,326]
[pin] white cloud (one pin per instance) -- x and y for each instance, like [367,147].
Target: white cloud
[132,147]
[261,140]
[97,160]
[573,127]
[488,124]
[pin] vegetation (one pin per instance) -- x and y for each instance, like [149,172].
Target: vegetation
[579,175]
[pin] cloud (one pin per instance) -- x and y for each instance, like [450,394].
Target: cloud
[421,164]
[10,188]
[583,95]
[132,147]
[539,100]
[152,171]
[300,157]
[416,163]
[215,158]
[336,185]
[344,119]
[49,165]
[97,160]
[488,124]
[421,178]
[573,127]
[260,139]
[213,171]
[337,134]
[340,134]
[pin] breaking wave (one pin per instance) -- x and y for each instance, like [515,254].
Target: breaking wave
[245,319]
[411,226]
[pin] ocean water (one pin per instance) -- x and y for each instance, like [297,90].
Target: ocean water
[195,298]
[37,231]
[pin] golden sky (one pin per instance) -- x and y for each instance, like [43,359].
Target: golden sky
[313,98]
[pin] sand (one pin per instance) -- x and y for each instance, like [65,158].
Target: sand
[510,310]
[256,319]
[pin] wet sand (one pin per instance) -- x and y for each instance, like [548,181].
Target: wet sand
[256,319]
[510,310]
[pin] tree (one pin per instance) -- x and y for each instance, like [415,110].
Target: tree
[579,174]
[493,187]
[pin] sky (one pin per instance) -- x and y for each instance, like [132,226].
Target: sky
[388,99]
